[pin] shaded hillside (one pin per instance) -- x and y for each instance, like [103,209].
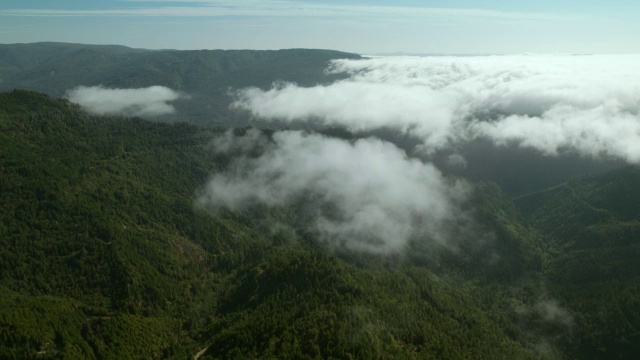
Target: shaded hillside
[519,171]
[204,75]
[592,226]
[208,78]
[68,249]
[103,255]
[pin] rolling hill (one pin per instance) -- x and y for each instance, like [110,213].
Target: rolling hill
[104,254]
[591,225]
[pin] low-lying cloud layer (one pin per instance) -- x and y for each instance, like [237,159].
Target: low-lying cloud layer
[552,103]
[150,101]
[367,194]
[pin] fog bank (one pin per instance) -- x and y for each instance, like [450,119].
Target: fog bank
[150,101]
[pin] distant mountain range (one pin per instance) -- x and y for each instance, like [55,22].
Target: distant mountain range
[204,75]
[207,76]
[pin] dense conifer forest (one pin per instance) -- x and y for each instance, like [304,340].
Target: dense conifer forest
[106,254]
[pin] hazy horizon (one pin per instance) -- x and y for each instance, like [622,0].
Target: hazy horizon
[360,26]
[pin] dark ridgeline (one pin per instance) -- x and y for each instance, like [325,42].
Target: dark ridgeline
[205,75]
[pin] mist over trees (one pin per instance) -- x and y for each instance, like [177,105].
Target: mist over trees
[316,204]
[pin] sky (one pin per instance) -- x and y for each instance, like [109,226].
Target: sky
[361,26]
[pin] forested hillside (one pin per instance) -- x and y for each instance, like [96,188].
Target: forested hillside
[205,76]
[105,254]
[205,84]
[592,227]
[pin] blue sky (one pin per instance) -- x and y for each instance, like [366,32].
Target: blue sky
[364,26]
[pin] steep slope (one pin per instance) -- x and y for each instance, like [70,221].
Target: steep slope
[96,219]
[592,226]
[103,255]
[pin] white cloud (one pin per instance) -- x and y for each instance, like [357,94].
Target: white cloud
[552,312]
[359,105]
[551,103]
[151,101]
[367,195]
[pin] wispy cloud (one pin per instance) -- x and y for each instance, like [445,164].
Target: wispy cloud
[366,195]
[280,8]
[151,101]
[554,104]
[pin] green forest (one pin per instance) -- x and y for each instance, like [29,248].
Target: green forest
[105,255]
[205,75]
